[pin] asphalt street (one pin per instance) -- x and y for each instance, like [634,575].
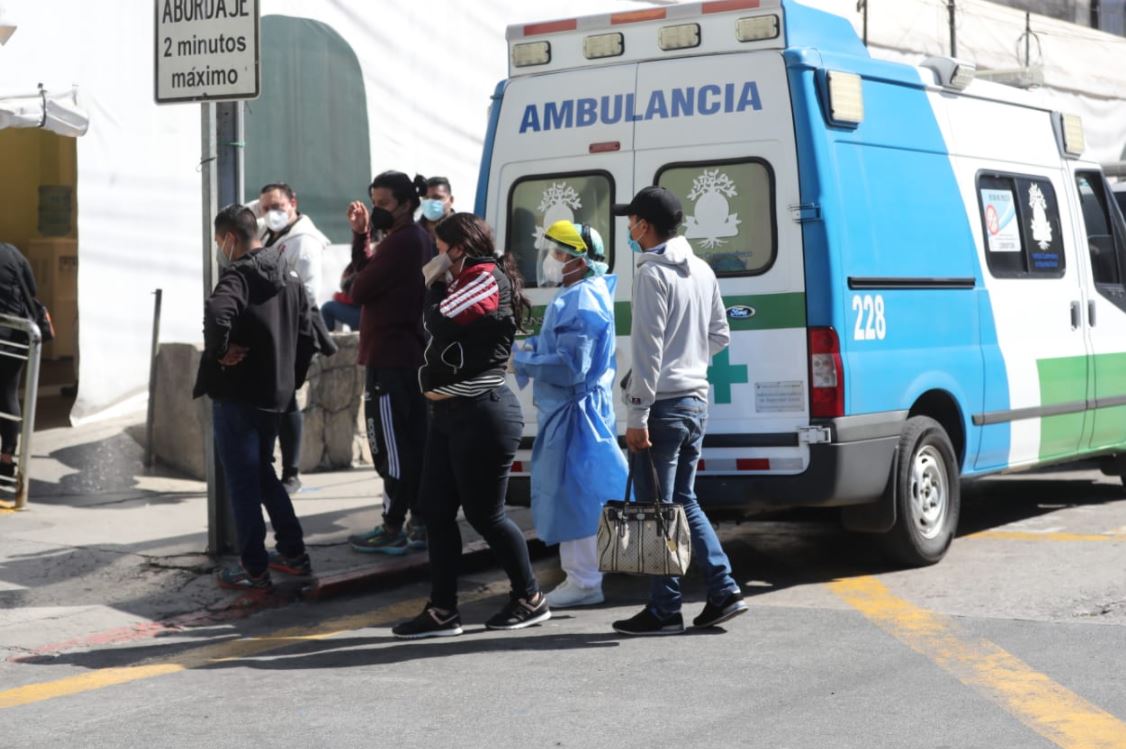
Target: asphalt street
[1015,640]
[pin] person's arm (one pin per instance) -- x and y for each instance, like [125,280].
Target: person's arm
[306,340]
[647,346]
[719,331]
[576,333]
[448,314]
[222,308]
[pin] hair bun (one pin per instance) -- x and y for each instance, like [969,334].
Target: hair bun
[420,185]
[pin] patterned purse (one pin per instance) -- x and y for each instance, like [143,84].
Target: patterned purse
[644,538]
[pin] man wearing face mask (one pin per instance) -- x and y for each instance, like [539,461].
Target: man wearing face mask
[302,249]
[258,342]
[389,288]
[679,323]
[436,205]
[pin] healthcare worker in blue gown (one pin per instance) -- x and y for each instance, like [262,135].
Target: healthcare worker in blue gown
[576,462]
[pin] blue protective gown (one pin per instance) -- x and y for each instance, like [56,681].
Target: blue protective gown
[576,462]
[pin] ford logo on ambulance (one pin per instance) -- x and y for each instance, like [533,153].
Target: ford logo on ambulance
[740,312]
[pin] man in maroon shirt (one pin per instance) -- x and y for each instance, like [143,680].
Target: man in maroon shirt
[389,288]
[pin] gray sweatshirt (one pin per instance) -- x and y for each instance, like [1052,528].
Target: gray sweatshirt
[679,324]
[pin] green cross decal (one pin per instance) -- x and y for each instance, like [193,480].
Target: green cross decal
[722,374]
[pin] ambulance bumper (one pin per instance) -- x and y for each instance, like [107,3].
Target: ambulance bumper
[852,468]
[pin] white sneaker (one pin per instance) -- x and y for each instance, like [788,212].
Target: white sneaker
[569,595]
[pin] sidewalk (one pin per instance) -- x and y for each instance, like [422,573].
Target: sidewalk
[108,551]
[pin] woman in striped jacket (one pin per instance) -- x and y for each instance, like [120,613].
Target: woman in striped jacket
[473,308]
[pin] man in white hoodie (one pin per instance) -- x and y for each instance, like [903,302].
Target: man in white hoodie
[679,323]
[302,249]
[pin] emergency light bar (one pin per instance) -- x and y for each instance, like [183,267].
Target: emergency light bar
[598,46]
[846,98]
[1071,134]
[531,53]
[757,29]
[683,36]
[951,73]
[711,26]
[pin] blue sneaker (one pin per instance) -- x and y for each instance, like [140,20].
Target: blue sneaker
[236,578]
[382,540]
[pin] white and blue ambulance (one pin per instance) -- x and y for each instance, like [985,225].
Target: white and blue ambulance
[924,278]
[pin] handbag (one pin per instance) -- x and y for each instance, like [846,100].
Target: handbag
[37,312]
[644,538]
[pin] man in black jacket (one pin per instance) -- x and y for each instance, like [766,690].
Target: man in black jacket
[258,342]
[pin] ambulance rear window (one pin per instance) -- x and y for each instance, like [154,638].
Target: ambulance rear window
[1021,223]
[538,201]
[728,212]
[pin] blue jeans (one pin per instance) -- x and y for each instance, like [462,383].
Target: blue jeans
[244,436]
[676,429]
[334,311]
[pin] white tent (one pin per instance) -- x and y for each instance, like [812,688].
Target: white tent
[58,112]
[427,70]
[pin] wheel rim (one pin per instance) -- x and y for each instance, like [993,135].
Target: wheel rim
[930,492]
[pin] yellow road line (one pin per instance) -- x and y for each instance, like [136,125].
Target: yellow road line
[217,653]
[1052,536]
[1060,716]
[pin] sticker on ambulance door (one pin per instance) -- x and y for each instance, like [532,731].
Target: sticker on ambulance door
[779,397]
[1000,220]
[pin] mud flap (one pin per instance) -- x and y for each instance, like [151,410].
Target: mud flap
[878,516]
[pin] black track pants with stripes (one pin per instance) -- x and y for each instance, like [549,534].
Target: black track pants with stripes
[396,423]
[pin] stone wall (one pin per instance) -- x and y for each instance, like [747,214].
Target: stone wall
[332,401]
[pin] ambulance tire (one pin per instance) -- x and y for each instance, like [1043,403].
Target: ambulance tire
[927,495]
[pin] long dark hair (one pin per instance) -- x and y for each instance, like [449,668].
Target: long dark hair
[402,187]
[475,238]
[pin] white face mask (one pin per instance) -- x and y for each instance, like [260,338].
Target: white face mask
[221,257]
[553,270]
[277,219]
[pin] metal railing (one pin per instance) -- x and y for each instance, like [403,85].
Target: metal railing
[29,352]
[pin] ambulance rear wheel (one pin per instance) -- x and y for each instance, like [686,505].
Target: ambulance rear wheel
[927,495]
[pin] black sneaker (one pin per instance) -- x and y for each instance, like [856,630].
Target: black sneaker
[647,623]
[429,624]
[715,614]
[300,566]
[292,484]
[236,578]
[519,613]
[8,470]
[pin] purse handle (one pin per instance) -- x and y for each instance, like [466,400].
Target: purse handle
[652,475]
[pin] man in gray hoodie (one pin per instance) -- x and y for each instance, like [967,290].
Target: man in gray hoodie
[679,323]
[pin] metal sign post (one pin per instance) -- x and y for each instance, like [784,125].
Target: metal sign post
[208,52]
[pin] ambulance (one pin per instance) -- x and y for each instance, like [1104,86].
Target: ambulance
[923,276]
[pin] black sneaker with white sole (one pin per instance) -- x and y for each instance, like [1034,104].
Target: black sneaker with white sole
[519,613]
[648,623]
[430,623]
[715,614]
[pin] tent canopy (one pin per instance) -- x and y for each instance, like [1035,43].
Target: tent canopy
[58,112]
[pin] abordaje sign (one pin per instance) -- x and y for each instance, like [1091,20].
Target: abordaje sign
[206,50]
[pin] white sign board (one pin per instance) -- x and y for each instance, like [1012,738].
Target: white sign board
[206,50]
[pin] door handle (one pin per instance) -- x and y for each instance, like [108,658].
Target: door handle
[1091,312]
[1076,320]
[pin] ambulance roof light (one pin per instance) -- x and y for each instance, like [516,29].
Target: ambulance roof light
[531,53]
[846,97]
[1074,139]
[757,28]
[951,73]
[597,46]
[681,36]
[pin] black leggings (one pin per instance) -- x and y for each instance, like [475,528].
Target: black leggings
[470,446]
[9,402]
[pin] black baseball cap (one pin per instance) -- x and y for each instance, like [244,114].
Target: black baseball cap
[656,205]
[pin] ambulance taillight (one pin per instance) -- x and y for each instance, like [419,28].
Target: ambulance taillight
[826,374]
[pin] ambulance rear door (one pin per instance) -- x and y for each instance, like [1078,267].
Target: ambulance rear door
[721,136]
